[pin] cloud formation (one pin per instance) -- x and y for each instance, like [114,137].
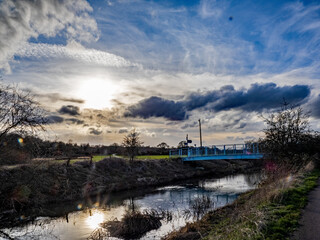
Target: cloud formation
[73,51]
[54,119]
[94,131]
[70,110]
[257,98]
[123,130]
[74,121]
[25,19]
[315,107]
[157,107]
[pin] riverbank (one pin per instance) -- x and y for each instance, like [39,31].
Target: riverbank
[270,212]
[34,186]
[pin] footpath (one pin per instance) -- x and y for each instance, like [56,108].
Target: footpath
[310,222]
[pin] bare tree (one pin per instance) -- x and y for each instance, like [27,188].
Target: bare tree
[163,145]
[19,112]
[287,133]
[181,144]
[132,143]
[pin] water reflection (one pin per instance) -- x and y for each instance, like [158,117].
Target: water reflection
[95,219]
[186,202]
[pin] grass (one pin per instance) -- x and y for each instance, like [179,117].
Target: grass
[134,224]
[285,213]
[95,158]
[270,212]
[148,157]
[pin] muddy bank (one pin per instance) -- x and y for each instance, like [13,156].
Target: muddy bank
[34,186]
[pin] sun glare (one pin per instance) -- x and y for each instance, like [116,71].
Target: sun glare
[97,93]
[94,220]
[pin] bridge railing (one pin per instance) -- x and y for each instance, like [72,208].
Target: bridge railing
[227,149]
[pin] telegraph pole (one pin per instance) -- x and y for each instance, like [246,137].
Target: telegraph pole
[200,133]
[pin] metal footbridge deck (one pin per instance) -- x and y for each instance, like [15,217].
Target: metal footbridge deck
[218,152]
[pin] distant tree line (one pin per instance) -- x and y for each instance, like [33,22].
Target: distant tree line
[21,118]
[15,148]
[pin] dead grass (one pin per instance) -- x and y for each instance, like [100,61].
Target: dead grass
[34,186]
[250,215]
[135,224]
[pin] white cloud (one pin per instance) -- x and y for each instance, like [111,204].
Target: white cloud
[209,9]
[24,19]
[75,51]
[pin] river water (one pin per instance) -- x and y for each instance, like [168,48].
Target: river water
[80,219]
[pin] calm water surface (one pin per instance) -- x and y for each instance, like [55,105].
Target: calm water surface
[80,220]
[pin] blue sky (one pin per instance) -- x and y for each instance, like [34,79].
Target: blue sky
[158,66]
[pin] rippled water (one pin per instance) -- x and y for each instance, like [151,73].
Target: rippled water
[80,219]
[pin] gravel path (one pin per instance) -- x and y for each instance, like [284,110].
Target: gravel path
[310,221]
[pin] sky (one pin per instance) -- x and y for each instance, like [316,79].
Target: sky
[102,68]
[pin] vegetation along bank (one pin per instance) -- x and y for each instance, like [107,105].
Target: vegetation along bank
[35,185]
[271,211]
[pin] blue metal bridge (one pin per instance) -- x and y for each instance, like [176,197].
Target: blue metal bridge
[218,152]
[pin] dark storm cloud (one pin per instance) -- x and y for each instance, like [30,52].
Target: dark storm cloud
[94,131]
[157,107]
[256,99]
[55,97]
[69,109]
[315,107]
[74,121]
[123,130]
[54,119]
[73,100]
[262,96]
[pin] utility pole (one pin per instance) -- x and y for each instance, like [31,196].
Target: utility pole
[200,133]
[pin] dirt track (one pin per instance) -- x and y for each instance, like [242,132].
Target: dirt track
[310,221]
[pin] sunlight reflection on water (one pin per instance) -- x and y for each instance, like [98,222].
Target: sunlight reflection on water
[95,219]
[177,199]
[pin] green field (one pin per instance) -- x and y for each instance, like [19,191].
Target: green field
[98,158]
[95,158]
[152,157]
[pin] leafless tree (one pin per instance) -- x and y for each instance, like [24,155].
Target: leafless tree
[163,145]
[19,112]
[132,143]
[181,144]
[287,133]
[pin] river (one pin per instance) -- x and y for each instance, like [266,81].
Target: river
[80,219]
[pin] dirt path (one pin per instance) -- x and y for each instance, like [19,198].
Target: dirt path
[310,221]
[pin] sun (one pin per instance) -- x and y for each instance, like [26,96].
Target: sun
[97,93]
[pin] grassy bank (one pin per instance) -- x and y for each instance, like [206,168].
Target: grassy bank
[270,212]
[34,186]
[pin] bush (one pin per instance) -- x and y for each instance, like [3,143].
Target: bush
[133,225]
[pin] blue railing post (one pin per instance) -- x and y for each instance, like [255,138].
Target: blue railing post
[215,150]
[224,149]
[253,150]
[169,153]
[206,151]
[258,148]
